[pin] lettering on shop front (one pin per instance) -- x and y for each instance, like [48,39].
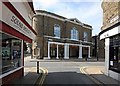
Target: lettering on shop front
[20,25]
[17,22]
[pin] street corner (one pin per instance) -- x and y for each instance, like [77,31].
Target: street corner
[92,69]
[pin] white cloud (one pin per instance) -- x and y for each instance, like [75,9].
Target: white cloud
[46,3]
[90,13]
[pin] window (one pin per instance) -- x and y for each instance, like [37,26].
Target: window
[74,34]
[114,55]
[11,53]
[85,36]
[57,30]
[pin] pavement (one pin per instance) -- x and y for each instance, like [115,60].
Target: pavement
[31,77]
[73,60]
[97,74]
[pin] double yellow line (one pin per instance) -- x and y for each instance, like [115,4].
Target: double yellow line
[44,73]
[82,70]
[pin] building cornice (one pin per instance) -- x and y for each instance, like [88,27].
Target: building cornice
[55,16]
[51,37]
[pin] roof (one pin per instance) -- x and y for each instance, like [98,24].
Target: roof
[30,2]
[43,11]
[74,20]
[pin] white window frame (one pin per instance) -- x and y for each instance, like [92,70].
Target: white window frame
[74,34]
[85,37]
[57,31]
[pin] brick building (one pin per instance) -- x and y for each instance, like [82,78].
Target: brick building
[111,35]
[98,50]
[59,37]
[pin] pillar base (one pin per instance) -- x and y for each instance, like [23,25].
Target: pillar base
[66,57]
[57,57]
[80,57]
[46,58]
[89,57]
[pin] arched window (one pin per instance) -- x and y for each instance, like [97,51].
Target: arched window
[56,30]
[85,36]
[74,34]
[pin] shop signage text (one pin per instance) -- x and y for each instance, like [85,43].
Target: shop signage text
[19,24]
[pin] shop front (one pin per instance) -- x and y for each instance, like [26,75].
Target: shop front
[14,33]
[114,62]
[112,50]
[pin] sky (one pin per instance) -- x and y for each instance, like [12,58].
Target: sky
[86,11]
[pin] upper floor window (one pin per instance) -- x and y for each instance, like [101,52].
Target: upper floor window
[74,34]
[56,30]
[85,36]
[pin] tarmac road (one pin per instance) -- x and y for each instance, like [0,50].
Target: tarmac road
[67,73]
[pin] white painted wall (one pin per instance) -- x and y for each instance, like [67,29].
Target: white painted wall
[7,16]
[106,55]
[23,9]
[111,32]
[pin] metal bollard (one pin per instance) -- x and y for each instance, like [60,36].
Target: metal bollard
[37,67]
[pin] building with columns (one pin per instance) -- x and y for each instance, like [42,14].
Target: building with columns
[110,34]
[59,37]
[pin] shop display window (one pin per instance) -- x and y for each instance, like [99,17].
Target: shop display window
[114,63]
[11,53]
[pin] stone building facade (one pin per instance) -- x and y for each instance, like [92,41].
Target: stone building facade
[59,37]
[111,35]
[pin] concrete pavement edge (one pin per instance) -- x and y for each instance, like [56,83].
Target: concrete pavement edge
[82,70]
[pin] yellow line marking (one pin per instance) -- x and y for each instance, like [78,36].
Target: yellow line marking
[82,70]
[45,72]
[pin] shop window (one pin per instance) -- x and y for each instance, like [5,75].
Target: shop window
[74,34]
[115,53]
[11,53]
[57,30]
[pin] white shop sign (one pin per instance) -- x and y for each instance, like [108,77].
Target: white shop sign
[12,20]
[111,32]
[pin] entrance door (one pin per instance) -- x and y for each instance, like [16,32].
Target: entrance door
[53,51]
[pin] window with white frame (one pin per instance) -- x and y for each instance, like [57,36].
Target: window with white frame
[57,30]
[85,36]
[74,34]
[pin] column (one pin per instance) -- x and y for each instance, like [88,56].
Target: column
[80,52]
[48,50]
[107,43]
[66,51]
[89,52]
[57,53]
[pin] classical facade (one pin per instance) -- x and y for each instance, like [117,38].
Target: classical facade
[59,37]
[111,35]
[15,31]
